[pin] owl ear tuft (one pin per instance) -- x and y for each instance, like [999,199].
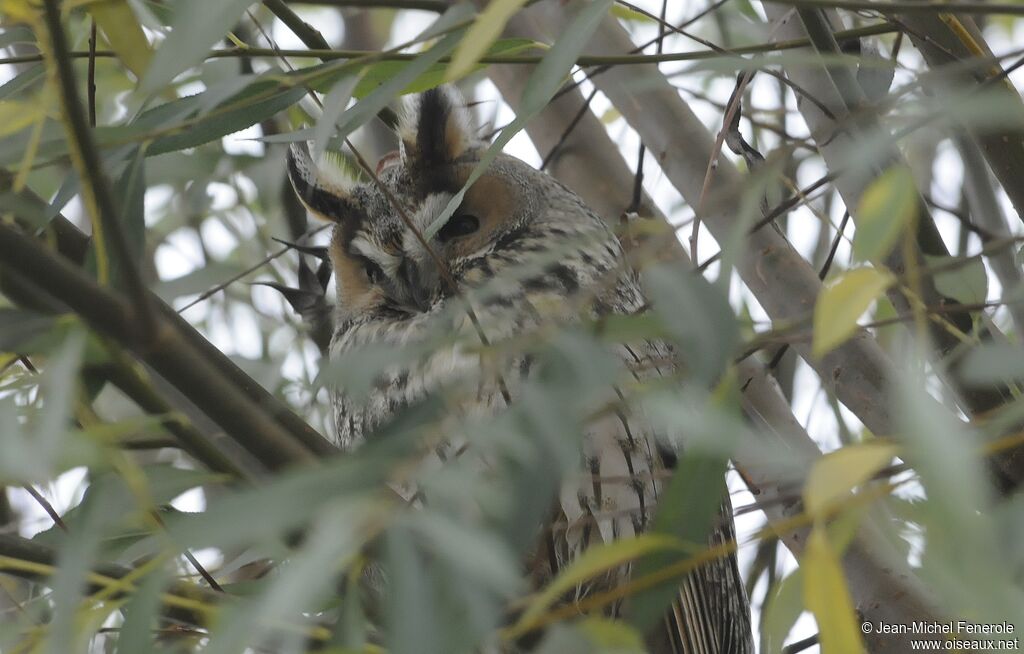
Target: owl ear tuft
[436,126]
[324,187]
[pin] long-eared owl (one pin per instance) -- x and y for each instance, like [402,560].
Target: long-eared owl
[543,257]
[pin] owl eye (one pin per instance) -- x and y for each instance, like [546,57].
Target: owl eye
[458,225]
[373,272]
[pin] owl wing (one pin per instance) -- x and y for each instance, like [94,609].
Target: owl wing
[626,464]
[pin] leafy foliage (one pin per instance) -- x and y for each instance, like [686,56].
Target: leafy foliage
[138,516]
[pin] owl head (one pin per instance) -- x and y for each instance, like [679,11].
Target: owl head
[385,262]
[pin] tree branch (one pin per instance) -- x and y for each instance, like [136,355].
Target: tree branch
[783,282]
[168,350]
[329,54]
[943,47]
[880,581]
[853,122]
[103,210]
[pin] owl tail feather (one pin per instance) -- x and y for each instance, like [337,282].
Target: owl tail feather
[710,614]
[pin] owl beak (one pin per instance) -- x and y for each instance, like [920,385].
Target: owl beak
[418,285]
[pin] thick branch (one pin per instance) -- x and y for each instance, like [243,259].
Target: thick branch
[851,121]
[918,8]
[784,283]
[167,349]
[986,212]
[879,580]
[308,34]
[99,197]
[71,242]
[23,291]
[947,49]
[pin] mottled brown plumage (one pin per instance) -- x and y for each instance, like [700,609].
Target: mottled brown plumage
[524,252]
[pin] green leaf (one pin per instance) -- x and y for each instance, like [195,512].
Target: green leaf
[232,116]
[612,636]
[334,105]
[593,562]
[961,558]
[826,595]
[20,330]
[142,614]
[482,556]
[484,31]
[967,282]
[783,608]
[625,13]
[16,115]
[842,303]
[128,524]
[123,32]
[991,363]
[697,317]
[886,209]
[748,10]
[837,473]
[197,26]
[13,34]
[686,510]
[413,607]
[27,206]
[301,584]
[22,81]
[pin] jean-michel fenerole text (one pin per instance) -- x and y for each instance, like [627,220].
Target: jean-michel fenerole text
[954,627]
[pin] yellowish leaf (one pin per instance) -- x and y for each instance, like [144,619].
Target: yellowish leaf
[124,34]
[610,116]
[827,597]
[485,31]
[612,635]
[594,561]
[837,473]
[625,13]
[16,11]
[886,209]
[16,116]
[842,303]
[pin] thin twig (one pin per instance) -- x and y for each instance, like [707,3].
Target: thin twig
[251,269]
[733,52]
[801,645]
[981,8]
[821,275]
[91,83]
[46,506]
[580,113]
[583,60]
[188,555]
[798,198]
[439,6]
[715,153]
